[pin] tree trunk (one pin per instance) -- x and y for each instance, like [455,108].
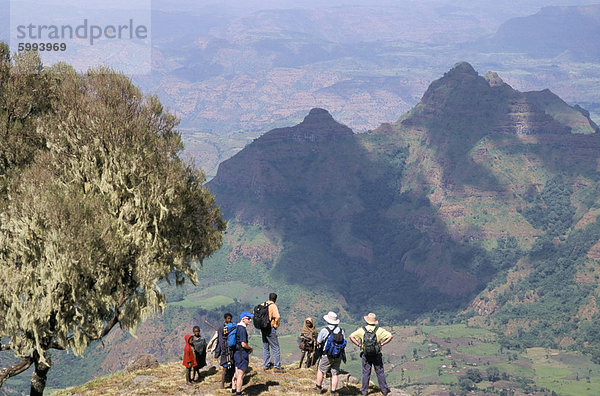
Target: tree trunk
[38,378]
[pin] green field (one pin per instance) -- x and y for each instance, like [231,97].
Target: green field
[219,295]
[566,373]
[417,360]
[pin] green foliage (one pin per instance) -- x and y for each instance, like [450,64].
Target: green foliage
[466,384]
[99,215]
[25,95]
[493,374]
[552,210]
[474,375]
[553,280]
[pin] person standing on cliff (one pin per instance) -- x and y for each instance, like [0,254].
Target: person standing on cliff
[332,341]
[189,359]
[223,351]
[370,338]
[241,356]
[269,334]
[308,342]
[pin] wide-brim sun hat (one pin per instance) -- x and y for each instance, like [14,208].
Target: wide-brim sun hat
[371,319]
[331,318]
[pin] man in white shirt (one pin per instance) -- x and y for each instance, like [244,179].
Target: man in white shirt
[326,362]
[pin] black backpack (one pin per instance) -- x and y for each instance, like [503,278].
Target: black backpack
[261,316]
[370,344]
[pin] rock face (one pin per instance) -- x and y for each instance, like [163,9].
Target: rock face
[248,182]
[487,101]
[145,361]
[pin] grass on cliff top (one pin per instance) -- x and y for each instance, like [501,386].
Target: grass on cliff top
[420,359]
[169,379]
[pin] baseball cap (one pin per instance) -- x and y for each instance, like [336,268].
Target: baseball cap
[246,313]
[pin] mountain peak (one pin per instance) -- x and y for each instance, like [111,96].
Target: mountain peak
[463,67]
[462,96]
[318,115]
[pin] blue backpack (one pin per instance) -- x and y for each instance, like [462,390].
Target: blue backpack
[335,344]
[230,331]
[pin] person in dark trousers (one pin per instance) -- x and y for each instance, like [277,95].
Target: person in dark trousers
[241,356]
[370,338]
[223,351]
[269,336]
[199,353]
[189,360]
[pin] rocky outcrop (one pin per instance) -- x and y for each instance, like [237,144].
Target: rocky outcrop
[492,105]
[141,362]
[318,125]
[168,379]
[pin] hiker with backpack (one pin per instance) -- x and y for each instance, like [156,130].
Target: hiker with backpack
[224,351]
[241,356]
[370,338]
[199,352]
[266,318]
[332,340]
[189,359]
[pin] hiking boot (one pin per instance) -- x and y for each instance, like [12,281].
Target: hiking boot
[319,389]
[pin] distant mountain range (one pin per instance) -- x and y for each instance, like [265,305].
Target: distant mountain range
[230,73]
[481,199]
[565,32]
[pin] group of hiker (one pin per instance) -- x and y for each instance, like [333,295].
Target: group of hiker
[324,348]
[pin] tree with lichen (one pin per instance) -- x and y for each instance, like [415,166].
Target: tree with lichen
[101,209]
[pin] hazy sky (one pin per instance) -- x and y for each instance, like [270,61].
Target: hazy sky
[496,10]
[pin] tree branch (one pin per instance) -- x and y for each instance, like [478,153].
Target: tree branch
[11,371]
[55,345]
[112,323]
[107,328]
[109,325]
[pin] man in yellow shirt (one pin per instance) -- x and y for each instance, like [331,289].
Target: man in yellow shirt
[370,338]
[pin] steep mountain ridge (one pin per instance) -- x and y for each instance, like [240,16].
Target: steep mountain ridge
[257,174]
[463,97]
[430,208]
